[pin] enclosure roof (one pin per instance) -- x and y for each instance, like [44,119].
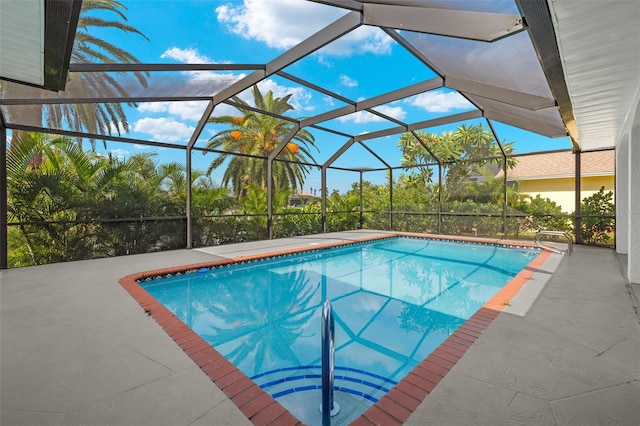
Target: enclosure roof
[527,64]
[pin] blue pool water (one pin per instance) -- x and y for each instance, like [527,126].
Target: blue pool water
[394,301]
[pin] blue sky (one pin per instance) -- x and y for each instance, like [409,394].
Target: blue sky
[362,64]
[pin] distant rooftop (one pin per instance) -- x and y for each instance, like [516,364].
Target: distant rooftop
[561,165]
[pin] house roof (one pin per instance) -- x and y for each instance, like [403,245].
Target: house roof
[303,194]
[561,164]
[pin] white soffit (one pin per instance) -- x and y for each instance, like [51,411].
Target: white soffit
[599,42]
[22,40]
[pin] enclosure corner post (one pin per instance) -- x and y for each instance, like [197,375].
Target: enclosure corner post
[270,198]
[439,197]
[323,192]
[188,201]
[505,209]
[391,228]
[578,217]
[361,206]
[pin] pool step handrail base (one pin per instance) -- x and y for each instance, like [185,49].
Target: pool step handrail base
[328,407]
[548,246]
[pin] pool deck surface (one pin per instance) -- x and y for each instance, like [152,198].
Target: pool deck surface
[76,348]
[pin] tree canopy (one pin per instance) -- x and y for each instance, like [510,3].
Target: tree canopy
[252,137]
[468,149]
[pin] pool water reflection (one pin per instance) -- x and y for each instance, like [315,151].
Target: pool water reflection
[394,301]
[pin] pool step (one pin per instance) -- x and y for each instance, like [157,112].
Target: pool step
[357,383]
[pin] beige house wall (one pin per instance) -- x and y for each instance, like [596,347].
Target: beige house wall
[561,190]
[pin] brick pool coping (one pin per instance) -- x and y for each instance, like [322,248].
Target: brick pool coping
[394,408]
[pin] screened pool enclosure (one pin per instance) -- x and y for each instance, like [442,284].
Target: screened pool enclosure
[392,115]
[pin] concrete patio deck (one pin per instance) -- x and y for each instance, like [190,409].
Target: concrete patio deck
[76,348]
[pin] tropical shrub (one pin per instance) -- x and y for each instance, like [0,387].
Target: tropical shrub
[73,204]
[597,217]
[539,214]
[305,220]
[470,218]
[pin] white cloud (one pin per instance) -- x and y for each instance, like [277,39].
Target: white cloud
[153,107]
[345,80]
[364,39]
[439,101]
[193,56]
[189,110]
[224,109]
[279,24]
[164,129]
[329,100]
[394,112]
[120,154]
[282,24]
[324,61]
[300,98]
[362,117]
[186,56]
[197,83]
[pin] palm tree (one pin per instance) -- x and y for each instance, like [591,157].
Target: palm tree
[52,205]
[254,136]
[87,48]
[98,118]
[33,194]
[461,152]
[55,193]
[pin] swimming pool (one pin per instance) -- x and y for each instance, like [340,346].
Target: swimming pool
[264,316]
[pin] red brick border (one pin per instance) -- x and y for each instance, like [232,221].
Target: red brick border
[394,408]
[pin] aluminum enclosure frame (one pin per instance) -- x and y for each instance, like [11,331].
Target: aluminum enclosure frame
[394,18]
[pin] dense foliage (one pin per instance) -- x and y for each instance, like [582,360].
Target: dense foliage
[462,153]
[75,204]
[65,203]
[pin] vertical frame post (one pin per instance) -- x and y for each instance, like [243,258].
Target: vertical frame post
[361,207]
[439,197]
[188,200]
[578,198]
[391,228]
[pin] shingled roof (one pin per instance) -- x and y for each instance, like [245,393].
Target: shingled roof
[561,164]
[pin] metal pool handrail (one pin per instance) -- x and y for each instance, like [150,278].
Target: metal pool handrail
[536,239]
[328,408]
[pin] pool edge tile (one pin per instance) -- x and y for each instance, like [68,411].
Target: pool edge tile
[262,409]
[394,409]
